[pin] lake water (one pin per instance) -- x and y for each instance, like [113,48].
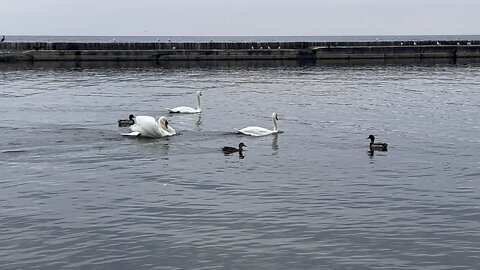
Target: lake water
[75,194]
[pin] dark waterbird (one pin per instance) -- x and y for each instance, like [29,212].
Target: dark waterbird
[127,122]
[3,39]
[377,146]
[231,150]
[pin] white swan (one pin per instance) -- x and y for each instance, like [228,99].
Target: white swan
[165,127]
[260,131]
[184,109]
[146,126]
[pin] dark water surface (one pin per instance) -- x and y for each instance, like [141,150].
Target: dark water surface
[75,194]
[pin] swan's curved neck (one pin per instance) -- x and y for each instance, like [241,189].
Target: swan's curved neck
[199,103]
[161,124]
[275,125]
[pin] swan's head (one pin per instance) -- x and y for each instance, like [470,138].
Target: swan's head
[274,120]
[131,117]
[199,93]
[371,138]
[163,122]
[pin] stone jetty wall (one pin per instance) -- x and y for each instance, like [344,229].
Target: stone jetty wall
[153,51]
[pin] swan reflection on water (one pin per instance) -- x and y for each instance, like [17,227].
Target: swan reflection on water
[275,144]
[159,147]
[198,123]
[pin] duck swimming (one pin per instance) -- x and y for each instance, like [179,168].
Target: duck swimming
[184,109]
[231,150]
[260,131]
[127,122]
[147,126]
[377,146]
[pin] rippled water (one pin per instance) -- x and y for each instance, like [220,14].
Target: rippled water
[75,194]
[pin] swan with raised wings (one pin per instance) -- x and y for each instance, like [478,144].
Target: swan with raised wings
[260,131]
[184,109]
[146,126]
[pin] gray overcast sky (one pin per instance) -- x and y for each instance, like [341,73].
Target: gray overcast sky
[240,17]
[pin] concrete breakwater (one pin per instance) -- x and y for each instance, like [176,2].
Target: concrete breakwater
[306,51]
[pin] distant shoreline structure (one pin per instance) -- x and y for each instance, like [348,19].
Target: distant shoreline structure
[232,39]
[206,51]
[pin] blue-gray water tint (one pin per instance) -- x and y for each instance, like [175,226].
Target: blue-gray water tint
[75,194]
